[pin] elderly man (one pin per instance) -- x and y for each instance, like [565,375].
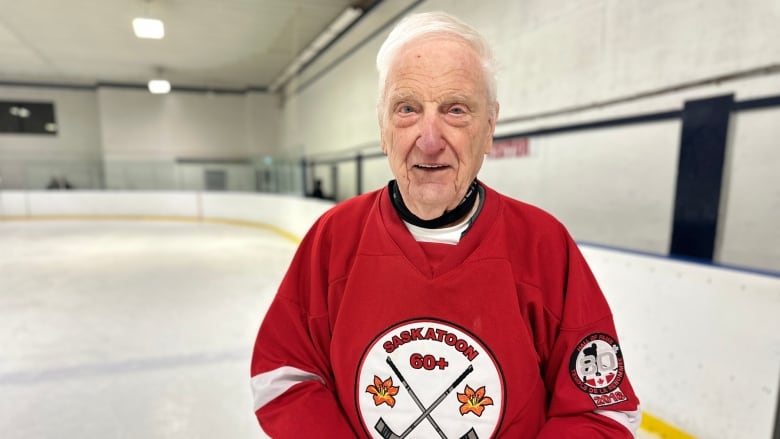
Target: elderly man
[437,307]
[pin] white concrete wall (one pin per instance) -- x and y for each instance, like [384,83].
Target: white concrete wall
[262,119]
[701,343]
[550,58]
[623,177]
[143,135]
[124,138]
[611,186]
[136,123]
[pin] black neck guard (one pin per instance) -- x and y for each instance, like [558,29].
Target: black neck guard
[448,217]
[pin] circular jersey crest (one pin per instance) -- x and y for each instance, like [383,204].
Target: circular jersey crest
[596,365]
[428,378]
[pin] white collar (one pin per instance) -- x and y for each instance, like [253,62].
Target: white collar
[444,235]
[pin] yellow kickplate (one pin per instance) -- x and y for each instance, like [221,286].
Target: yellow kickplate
[661,429]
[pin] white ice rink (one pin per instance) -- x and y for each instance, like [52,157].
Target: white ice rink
[131,329]
[137,329]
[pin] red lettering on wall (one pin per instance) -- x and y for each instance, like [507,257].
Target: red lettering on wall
[517,147]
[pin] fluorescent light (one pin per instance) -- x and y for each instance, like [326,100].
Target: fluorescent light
[159,86]
[342,22]
[346,18]
[148,28]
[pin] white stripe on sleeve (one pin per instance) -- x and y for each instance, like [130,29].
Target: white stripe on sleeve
[269,385]
[630,420]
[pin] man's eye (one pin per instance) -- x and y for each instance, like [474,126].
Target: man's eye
[405,109]
[457,110]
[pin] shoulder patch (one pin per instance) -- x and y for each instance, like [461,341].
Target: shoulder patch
[596,367]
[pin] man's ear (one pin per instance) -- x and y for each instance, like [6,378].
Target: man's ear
[491,132]
[383,140]
[380,119]
[494,118]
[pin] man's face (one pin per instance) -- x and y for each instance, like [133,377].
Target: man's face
[437,122]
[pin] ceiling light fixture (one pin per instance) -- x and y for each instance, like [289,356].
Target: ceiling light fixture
[148,28]
[335,29]
[145,27]
[158,85]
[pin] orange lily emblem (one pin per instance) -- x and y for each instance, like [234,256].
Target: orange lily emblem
[383,391]
[474,401]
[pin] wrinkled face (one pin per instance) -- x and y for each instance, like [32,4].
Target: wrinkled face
[437,122]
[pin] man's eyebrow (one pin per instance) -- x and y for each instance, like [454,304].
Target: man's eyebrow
[458,97]
[400,96]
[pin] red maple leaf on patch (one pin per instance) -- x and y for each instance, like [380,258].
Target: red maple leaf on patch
[383,391]
[474,402]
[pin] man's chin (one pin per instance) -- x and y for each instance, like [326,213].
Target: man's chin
[431,199]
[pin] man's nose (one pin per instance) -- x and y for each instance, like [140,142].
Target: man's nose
[430,140]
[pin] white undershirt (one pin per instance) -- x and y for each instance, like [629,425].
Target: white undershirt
[445,235]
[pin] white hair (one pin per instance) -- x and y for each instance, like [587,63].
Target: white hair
[416,26]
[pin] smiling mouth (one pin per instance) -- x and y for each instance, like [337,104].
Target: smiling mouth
[431,167]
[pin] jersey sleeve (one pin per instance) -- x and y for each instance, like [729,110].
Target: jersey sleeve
[292,383]
[590,395]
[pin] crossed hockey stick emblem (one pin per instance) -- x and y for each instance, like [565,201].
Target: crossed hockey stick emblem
[387,433]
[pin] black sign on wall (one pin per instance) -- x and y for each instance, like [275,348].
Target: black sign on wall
[705,124]
[27,118]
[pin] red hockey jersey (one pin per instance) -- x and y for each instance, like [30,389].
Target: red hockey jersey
[373,334]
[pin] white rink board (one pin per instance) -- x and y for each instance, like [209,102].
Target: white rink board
[294,215]
[701,343]
[113,203]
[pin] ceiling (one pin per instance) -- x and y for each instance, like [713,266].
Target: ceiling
[210,44]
